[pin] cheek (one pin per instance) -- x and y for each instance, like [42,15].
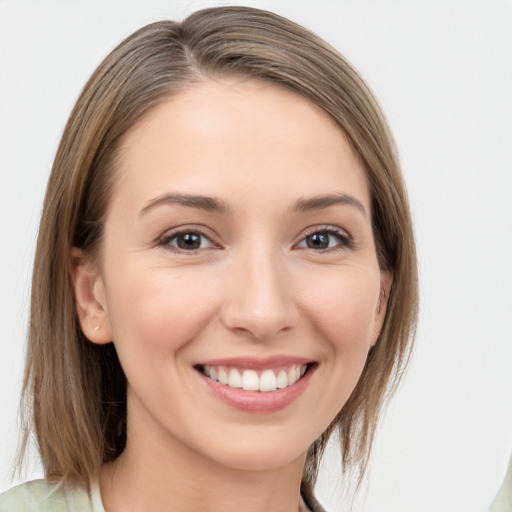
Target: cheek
[157,309]
[343,306]
[343,312]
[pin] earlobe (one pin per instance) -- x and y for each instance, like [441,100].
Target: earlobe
[380,311]
[90,297]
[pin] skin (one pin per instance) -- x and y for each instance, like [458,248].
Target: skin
[254,288]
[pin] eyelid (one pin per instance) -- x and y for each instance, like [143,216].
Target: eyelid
[346,239]
[168,235]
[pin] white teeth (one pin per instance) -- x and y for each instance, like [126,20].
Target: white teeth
[234,379]
[268,381]
[249,380]
[282,379]
[292,376]
[223,376]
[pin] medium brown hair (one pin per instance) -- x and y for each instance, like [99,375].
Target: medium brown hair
[76,390]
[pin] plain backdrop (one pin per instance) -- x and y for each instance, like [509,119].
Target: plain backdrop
[443,73]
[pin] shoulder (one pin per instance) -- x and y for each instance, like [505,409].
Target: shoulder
[45,496]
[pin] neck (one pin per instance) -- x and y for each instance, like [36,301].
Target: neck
[167,476]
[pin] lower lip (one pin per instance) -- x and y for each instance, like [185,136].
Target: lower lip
[258,401]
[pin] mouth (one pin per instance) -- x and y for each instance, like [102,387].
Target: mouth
[254,385]
[251,379]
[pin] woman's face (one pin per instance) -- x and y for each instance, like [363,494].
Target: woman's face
[238,251]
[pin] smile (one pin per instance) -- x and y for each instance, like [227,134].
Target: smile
[256,385]
[255,380]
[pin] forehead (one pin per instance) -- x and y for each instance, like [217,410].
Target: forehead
[237,138]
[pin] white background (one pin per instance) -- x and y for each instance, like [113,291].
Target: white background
[443,72]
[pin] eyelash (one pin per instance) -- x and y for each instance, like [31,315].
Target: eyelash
[166,240]
[344,240]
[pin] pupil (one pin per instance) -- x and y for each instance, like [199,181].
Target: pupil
[318,241]
[189,241]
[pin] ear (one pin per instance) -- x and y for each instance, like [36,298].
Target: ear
[90,297]
[386,280]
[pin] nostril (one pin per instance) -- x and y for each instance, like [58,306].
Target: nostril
[259,303]
[259,325]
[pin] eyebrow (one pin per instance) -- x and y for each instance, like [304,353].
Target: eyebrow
[325,201]
[209,204]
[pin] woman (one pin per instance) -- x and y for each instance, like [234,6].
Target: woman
[225,274]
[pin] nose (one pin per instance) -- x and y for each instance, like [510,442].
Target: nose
[259,300]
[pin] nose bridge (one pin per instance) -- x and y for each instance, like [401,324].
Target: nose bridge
[260,301]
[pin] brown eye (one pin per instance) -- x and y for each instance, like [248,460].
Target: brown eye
[318,241]
[187,241]
[325,239]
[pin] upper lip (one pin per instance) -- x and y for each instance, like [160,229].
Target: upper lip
[256,363]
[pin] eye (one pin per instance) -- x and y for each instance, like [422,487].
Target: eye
[325,239]
[187,241]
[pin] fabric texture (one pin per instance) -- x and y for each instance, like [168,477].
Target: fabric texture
[503,501]
[45,496]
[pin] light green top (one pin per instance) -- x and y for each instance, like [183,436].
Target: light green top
[503,501]
[44,496]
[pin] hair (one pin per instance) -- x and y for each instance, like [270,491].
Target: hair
[75,391]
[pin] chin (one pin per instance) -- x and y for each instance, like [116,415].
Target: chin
[264,454]
[271,461]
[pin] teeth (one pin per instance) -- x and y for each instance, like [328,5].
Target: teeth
[282,379]
[234,379]
[222,376]
[292,376]
[268,381]
[250,380]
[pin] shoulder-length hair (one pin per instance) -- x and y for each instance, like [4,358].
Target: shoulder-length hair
[74,390]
